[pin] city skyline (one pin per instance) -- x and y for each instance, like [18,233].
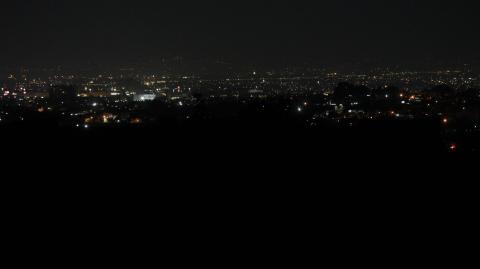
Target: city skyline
[326,76]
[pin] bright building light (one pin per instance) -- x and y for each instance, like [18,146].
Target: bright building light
[453,147]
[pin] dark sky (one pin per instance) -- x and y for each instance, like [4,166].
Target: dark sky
[110,32]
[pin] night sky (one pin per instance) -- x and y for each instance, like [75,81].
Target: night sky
[49,32]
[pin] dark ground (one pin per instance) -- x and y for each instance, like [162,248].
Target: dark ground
[245,193]
[248,139]
[242,155]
